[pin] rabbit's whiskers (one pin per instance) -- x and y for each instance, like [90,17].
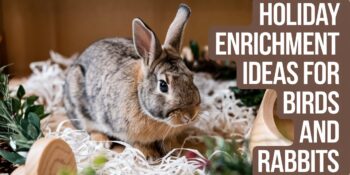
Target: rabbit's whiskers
[166,134]
[196,116]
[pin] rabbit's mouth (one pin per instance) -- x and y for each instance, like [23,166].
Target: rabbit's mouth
[180,117]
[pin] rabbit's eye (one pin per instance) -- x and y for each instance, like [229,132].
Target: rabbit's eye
[163,86]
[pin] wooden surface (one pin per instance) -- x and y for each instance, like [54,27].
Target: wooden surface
[48,156]
[3,57]
[33,27]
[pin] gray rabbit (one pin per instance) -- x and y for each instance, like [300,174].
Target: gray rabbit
[137,91]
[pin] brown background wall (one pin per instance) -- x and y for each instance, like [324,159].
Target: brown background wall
[33,27]
[3,59]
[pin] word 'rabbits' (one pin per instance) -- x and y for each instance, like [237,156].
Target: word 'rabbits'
[139,91]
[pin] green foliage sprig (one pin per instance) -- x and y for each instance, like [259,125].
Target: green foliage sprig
[249,97]
[225,157]
[19,121]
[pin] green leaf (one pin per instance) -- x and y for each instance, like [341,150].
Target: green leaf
[8,104]
[44,115]
[24,144]
[12,157]
[3,111]
[23,125]
[37,109]
[22,149]
[30,100]
[3,90]
[249,97]
[99,161]
[32,131]
[33,128]
[88,171]
[20,92]
[34,120]
[16,105]
[195,49]
[2,78]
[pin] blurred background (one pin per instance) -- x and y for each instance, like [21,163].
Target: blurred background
[29,29]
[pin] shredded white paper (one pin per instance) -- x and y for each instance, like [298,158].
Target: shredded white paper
[129,161]
[220,111]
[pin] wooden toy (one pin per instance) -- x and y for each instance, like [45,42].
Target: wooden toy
[48,156]
[268,129]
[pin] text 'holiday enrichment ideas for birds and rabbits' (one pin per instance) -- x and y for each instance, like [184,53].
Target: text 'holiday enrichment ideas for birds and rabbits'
[291,46]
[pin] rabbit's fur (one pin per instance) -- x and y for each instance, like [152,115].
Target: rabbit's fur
[114,88]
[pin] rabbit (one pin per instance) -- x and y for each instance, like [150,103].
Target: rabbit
[137,91]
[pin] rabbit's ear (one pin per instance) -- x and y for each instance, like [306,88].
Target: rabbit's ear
[145,41]
[174,35]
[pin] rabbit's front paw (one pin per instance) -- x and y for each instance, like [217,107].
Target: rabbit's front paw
[150,151]
[100,137]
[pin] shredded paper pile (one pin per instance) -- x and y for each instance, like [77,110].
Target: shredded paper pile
[221,113]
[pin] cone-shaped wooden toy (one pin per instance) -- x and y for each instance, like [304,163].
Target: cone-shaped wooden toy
[268,129]
[48,156]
